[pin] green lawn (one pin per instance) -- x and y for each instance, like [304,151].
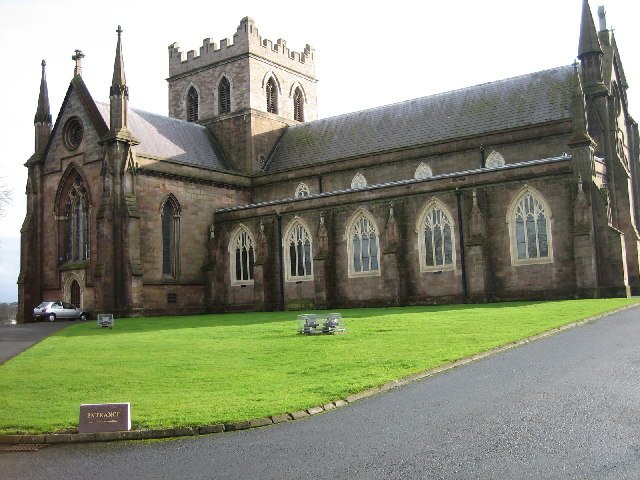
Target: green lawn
[199,370]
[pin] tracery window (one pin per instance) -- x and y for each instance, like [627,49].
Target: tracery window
[358,181]
[298,250]
[298,105]
[363,246]
[170,236]
[242,256]
[529,220]
[224,96]
[436,239]
[192,105]
[272,96]
[494,160]
[302,190]
[77,213]
[423,171]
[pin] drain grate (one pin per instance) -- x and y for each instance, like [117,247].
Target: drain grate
[23,447]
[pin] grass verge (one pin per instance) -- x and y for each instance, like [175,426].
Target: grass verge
[207,369]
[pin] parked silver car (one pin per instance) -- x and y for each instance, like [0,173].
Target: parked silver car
[52,310]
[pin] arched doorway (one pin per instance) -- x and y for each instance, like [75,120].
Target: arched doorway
[75,293]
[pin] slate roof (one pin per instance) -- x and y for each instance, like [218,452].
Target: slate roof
[530,99]
[171,139]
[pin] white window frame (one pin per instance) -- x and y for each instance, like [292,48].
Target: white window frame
[358,181]
[513,210]
[236,237]
[302,190]
[423,171]
[494,160]
[421,225]
[291,233]
[352,228]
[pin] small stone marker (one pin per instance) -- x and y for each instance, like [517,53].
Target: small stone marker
[105,417]
[105,320]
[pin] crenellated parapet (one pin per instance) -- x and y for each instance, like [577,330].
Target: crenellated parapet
[246,40]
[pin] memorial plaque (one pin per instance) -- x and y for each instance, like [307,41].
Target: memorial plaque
[105,417]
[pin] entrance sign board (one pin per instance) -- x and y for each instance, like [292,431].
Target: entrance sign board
[105,417]
[105,320]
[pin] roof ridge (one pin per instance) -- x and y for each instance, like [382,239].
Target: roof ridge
[140,110]
[433,95]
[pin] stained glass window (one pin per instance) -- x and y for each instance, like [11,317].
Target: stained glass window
[243,255]
[531,229]
[299,252]
[438,238]
[77,213]
[364,241]
[302,190]
[170,236]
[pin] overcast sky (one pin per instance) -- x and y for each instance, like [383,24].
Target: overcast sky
[366,56]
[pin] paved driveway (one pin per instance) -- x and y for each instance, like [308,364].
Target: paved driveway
[17,338]
[565,407]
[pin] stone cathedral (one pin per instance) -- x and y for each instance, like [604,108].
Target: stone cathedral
[241,199]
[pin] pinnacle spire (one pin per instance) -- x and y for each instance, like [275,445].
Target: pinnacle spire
[589,42]
[578,106]
[119,82]
[43,113]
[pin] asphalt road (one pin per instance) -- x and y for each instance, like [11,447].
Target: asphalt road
[565,407]
[14,339]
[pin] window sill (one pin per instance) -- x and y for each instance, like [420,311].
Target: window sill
[298,279]
[371,273]
[74,265]
[438,269]
[530,261]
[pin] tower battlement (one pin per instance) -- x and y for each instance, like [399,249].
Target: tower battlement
[246,40]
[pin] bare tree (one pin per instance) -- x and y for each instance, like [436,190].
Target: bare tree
[5,197]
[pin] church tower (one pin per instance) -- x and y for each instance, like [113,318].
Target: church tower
[246,92]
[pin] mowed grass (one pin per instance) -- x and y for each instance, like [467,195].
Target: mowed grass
[199,370]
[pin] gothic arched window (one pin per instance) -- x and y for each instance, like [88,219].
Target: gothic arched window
[358,181]
[224,96]
[170,236]
[242,256]
[272,96]
[192,105]
[298,105]
[494,160]
[301,190]
[423,171]
[77,215]
[436,239]
[529,219]
[298,250]
[363,246]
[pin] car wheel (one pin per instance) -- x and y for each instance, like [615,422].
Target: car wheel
[51,317]
[82,317]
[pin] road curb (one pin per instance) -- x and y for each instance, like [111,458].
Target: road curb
[58,438]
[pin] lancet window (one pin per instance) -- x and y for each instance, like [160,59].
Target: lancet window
[192,105]
[77,214]
[224,96]
[298,251]
[363,246]
[242,256]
